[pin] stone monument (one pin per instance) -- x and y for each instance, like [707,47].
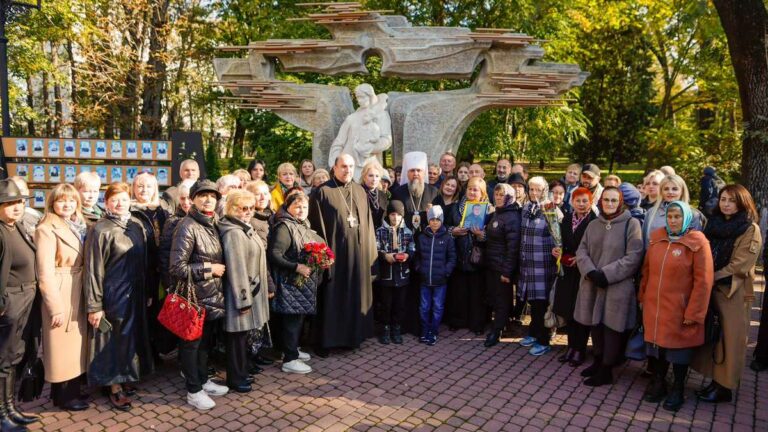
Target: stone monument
[511,74]
[366,133]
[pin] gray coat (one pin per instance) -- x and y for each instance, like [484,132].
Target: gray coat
[246,260]
[619,257]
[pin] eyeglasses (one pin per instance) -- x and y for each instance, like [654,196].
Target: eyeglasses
[247,209]
[610,200]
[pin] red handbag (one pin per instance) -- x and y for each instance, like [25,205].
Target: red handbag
[183,316]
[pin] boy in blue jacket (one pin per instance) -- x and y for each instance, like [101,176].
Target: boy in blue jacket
[435,260]
[394,242]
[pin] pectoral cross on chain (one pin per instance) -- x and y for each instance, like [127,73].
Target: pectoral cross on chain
[352,220]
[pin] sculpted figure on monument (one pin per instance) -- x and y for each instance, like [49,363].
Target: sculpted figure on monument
[365,133]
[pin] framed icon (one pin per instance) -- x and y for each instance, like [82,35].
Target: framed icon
[37,148]
[162,176]
[54,149]
[116,149]
[85,149]
[131,151]
[22,171]
[162,150]
[101,171]
[474,215]
[130,174]
[70,172]
[69,148]
[38,173]
[146,150]
[22,147]
[38,199]
[101,149]
[116,174]
[54,173]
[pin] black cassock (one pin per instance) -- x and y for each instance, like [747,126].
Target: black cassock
[340,214]
[115,271]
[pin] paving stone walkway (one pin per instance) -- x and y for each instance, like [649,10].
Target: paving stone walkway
[456,385]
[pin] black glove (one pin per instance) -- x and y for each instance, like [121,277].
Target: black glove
[598,278]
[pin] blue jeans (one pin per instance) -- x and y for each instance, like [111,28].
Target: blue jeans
[432,300]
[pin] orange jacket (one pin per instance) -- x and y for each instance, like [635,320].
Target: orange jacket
[676,285]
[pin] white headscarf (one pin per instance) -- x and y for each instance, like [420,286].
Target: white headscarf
[411,160]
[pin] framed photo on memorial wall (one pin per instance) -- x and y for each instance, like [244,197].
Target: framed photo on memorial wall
[54,173]
[22,171]
[85,149]
[69,148]
[101,197]
[162,176]
[22,147]
[85,168]
[131,151]
[117,174]
[70,172]
[116,149]
[38,173]
[474,215]
[101,149]
[39,199]
[101,171]
[162,150]
[54,149]
[37,148]
[130,174]
[146,150]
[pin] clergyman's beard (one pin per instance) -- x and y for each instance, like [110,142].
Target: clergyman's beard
[416,187]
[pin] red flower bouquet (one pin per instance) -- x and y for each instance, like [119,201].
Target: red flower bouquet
[317,256]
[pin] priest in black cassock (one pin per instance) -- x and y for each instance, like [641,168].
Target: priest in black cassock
[338,211]
[417,196]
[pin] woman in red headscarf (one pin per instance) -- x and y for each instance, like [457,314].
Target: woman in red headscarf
[572,228]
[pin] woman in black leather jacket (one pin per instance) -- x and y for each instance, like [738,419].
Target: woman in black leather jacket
[196,254]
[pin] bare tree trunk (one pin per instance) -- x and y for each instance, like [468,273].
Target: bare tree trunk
[58,109]
[73,97]
[46,107]
[746,26]
[151,110]
[31,105]
[129,101]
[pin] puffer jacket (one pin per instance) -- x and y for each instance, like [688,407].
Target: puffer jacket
[397,274]
[286,241]
[502,240]
[164,252]
[435,256]
[194,249]
[676,286]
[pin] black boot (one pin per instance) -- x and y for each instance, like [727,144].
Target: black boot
[492,338]
[384,337]
[6,422]
[590,370]
[603,376]
[676,397]
[657,387]
[758,365]
[705,390]
[397,335]
[717,394]
[567,356]
[10,407]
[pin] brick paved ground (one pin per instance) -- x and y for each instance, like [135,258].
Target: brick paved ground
[455,385]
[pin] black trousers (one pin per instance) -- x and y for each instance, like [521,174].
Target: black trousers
[609,345]
[761,350]
[65,392]
[537,328]
[578,336]
[500,296]
[12,323]
[392,304]
[518,306]
[468,303]
[237,358]
[193,358]
[291,331]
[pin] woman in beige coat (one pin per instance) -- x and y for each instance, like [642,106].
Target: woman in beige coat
[735,240]
[59,239]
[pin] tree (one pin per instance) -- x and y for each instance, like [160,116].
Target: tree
[746,25]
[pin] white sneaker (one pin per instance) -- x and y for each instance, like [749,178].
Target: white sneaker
[214,389]
[304,356]
[200,400]
[296,366]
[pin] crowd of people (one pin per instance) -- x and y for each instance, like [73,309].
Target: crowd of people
[589,256]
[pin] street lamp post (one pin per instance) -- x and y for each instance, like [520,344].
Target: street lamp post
[9,10]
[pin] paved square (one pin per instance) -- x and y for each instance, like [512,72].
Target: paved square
[456,385]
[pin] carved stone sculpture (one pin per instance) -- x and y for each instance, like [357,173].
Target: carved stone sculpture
[367,132]
[511,75]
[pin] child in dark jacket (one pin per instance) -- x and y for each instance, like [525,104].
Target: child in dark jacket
[436,258]
[394,242]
